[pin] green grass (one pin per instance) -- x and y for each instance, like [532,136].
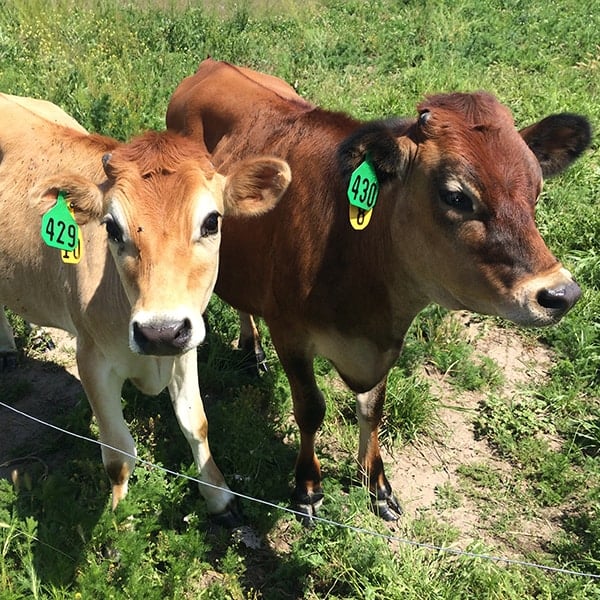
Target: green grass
[113,66]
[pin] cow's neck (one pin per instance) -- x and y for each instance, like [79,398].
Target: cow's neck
[376,295]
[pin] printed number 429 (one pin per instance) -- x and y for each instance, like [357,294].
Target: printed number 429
[57,230]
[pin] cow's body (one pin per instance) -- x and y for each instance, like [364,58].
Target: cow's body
[453,224]
[150,214]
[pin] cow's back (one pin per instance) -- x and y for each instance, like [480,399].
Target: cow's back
[229,98]
[40,108]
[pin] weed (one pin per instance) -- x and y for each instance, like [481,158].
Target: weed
[409,410]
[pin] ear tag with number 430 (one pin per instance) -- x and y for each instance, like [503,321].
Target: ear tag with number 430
[60,230]
[363,190]
[359,218]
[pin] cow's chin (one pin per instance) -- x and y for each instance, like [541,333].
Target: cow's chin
[530,315]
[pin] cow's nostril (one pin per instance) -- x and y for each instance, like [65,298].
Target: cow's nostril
[182,332]
[561,298]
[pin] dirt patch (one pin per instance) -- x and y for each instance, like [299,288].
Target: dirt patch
[425,473]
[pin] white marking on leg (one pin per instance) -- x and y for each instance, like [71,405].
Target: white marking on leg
[189,409]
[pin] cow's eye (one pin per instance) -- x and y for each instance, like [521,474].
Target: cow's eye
[114,231]
[457,200]
[210,225]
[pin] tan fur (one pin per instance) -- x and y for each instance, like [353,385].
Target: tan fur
[135,302]
[44,109]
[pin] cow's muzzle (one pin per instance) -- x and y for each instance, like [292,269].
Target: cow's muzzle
[162,338]
[545,299]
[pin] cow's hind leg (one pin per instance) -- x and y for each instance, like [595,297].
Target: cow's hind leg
[369,410]
[189,409]
[249,342]
[103,389]
[8,350]
[309,412]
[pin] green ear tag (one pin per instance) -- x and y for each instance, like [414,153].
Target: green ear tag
[59,228]
[363,187]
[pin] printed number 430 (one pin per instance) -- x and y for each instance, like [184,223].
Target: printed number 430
[369,191]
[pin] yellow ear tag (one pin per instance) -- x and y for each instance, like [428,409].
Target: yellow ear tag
[72,257]
[359,217]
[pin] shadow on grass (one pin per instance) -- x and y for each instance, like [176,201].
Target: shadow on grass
[59,480]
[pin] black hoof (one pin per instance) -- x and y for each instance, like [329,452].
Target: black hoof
[255,359]
[254,364]
[8,361]
[306,505]
[386,506]
[261,362]
[231,518]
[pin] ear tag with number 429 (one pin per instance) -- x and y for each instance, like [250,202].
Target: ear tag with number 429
[60,230]
[363,190]
[73,257]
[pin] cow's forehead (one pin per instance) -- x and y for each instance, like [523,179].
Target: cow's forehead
[479,109]
[473,137]
[173,203]
[161,177]
[159,152]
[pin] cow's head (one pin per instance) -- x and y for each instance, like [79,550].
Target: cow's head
[459,187]
[162,204]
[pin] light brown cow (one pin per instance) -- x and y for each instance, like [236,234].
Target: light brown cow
[150,224]
[453,223]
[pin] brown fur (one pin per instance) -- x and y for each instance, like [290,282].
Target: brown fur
[324,288]
[158,153]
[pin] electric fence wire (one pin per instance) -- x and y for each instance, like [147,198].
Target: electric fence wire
[355,529]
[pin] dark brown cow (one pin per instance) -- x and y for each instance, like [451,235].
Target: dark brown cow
[453,224]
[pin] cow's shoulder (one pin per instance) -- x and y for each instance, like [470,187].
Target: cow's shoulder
[38,109]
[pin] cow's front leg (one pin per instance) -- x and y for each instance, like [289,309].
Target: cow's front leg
[369,410]
[103,386]
[189,409]
[309,411]
[8,350]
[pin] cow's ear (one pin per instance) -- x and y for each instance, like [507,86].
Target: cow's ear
[388,154]
[255,185]
[83,195]
[557,141]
